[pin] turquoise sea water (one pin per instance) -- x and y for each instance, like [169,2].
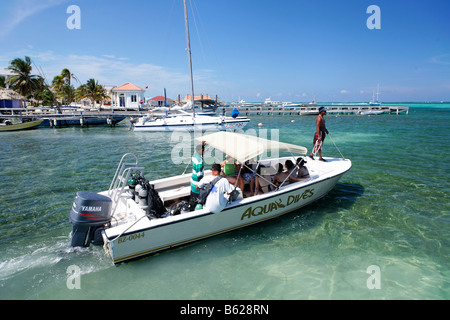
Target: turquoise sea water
[390,211]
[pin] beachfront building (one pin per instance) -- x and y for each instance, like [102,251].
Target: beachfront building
[200,97]
[128,96]
[10,99]
[159,102]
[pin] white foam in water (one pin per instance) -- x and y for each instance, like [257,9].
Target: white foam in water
[46,255]
[40,257]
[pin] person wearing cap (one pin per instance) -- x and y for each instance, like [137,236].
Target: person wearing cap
[319,136]
[302,171]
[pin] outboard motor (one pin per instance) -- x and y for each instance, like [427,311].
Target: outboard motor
[89,215]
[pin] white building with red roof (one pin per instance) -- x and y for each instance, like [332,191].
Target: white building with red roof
[128,96]
[159,102]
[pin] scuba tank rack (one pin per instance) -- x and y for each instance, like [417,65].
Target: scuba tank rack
[123,173]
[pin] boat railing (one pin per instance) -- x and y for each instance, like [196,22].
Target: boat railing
[121,167]
[121,177]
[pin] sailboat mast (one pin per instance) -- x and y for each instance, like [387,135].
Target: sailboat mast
[189,54]
[378,93]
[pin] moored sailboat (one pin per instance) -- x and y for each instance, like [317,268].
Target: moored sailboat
[184,121]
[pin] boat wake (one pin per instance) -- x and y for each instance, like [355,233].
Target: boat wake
[50,260]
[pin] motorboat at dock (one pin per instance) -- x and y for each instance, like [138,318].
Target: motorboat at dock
[123,219]
[185,121]
[24,124]
[370,112]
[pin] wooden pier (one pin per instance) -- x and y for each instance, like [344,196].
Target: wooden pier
[82,117]
[70,116]
[304,110]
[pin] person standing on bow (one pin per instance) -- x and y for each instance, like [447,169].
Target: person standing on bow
[320,134]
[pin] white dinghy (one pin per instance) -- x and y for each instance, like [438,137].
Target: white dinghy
[124,220]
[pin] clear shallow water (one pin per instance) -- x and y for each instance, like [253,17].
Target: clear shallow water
[391,210]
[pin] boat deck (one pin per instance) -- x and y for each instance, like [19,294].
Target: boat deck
[53,118]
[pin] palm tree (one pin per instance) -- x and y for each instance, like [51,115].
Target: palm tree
[94,91]
[68,89]
[58,86]
[63,86]
[80,92]
[2,82]
[48,98]
[22,81]
[46,95]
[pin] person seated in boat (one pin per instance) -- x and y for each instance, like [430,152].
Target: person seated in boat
[263,181]
[287,176]
[230,170]
[249,177]
[280,176]
[217,199]
[302,171]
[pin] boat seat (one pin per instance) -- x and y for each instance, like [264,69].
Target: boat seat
[175,187]
[171,194]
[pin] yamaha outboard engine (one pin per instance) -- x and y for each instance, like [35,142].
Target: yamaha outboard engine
[89,215]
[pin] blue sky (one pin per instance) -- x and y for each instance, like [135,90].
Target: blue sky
[289,50]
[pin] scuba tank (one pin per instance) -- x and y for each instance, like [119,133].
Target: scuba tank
[141,196]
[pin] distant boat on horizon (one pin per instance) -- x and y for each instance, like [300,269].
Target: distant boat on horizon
[376,102]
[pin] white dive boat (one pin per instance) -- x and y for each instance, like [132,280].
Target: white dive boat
[123,218]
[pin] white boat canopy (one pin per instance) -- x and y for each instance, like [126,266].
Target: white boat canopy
[244,147]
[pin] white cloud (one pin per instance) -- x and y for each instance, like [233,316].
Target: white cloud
[443,59]
[110,70]
[22,10]
[344,91]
